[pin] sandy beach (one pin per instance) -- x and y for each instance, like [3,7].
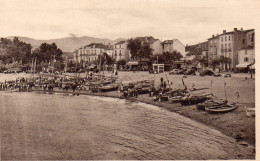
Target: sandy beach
[234,124]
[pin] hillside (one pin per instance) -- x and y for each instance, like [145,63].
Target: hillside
[68,44]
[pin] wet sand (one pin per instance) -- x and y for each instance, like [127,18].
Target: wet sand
[49,126]
[234,124]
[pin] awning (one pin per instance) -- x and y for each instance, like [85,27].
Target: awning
[252,66]
[132,63]
[244,65]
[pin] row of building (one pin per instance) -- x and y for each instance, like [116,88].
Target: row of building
[119,50]
[237,46]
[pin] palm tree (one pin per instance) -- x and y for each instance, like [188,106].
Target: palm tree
[225,61]
[214,63]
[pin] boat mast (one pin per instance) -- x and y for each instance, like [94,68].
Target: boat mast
[34,66]
[225,90]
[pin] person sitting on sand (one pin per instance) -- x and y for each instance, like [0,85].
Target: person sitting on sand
[193,87]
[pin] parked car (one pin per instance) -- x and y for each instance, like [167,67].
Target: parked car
[206,72]
[227,75]
[13,70]
[217,75]
[191,71]
[153,72]
[175,71]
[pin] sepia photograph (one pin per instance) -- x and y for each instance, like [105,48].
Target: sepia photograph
[128,79]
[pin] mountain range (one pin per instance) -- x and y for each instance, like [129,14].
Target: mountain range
[67,44]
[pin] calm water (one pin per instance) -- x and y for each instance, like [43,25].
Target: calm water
[51,126]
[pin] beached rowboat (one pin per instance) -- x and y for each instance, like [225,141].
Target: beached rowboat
[221,108]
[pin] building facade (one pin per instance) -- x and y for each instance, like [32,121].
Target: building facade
[121,52]
[173,45]
[246,57]
[90,53]
[227,46]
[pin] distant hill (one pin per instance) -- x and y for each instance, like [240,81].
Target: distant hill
[118,40]
[67,44]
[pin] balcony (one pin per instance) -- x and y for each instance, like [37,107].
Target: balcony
[225,50]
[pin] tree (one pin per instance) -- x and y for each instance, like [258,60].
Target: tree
[121,62]
[134,45]
[167,57]
[15,51]
[224,60]
[204,61]
[47,52]
[145,51]
[215,62]
[105,59]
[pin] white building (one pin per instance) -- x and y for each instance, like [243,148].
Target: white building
[121,52]
[173,45]
[246,57]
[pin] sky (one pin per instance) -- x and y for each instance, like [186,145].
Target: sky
[190,21]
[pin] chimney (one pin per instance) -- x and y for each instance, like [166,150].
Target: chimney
[224,31]
[213,35]
[241,29]
[235,29]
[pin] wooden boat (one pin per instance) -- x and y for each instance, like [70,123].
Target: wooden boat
[175,99]
[108,88]
[221,108]
[143,90]
[211,103]
[250,112]
[191,100]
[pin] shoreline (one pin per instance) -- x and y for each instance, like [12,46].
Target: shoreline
[243,134]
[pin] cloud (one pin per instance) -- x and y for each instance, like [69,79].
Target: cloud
[189,21]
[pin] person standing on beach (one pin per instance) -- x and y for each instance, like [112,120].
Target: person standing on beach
[161,81]
[164,85]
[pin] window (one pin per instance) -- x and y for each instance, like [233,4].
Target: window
[119,46]
[244,41]
[229,46]
[246,59]
[229,38]
[225,46]
[252,37]
[225,38]
[221,38]
[222,46]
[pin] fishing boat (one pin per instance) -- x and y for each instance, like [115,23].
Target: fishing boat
[175,99]
[191,100]
[221,108]
[211,103]
[143,90]
[108,88]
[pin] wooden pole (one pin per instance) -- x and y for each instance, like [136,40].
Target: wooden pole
[66,68]
[211,83]
[225,90]
[34,66]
